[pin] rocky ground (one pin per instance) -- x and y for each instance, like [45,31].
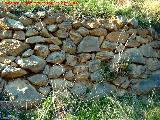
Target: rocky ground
[45,51]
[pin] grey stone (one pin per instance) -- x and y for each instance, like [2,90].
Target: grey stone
[97,76]
[32,63]
[46,70]
[41,50]
[133,22]
[10,72]
[83,31]
[147,50]
[27,53]
[76,37]
[109,46]
[142,40]
[155,44]
[35,39]
[31,32]
[38,79]
[89,44]
[56,57]
[25,20]
[82,76]
[71,60]
[41,14]
[5,34]
[104,55]
[69,46]
[153,64]
[94,65]
[8,23]
[45,90]
[19,35]
[79,89]
[44,32]
[56,71]
[52,28]
[20,90]
[53,47]
[62,33]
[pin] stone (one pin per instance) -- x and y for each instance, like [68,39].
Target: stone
[41,14]
[84,57]
[82,76]
[20,90]
[94,65]
[2,66]
[104,55]
[25,20]
[2,84]
[5,34]
[71,60]
[76,37]
[41,50]
[39,26]
[19,35]
[53,47]
[33,63]
[122,82]
[69,75]
[61,33]
[28,53]
[142,32]
[44,32]
[35,39]
[142,40]
[90,24]
[12,47]
[69,46]
[65,25]
[135,56]
[46,70]
[147,50]
[117,36]
[80,68]
[56,57]
[83,31]
[97,76]
[79,90]
[135,71]
[45,90]
[49,19]
[133,22]
[76,24]
[38,79]
[98,32]
[100,90]
[56,71]
[61,84]
[89,44]
[110,26]
[153,64]
[52,28]
[133,43]
[120,21]
[155,44]
[53,40]
[7,23]
[109,46]
[12,72]
[132,31]
[7,59]
[31,32]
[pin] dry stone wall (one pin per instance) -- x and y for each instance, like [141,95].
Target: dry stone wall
[45,51]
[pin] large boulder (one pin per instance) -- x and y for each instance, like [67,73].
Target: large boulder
[89,44]
[12,47]
[33,63]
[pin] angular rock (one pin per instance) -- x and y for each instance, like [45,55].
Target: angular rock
[82,76]
[109,46]
[45,90]
[52,28]
[76,37]
[110,26]
[38,79]
[76,24]
[35,39]
[19,35]
[133,22]
[65,25]
[7,59]
[56,71]
[41,50]
[147,50]
[117,36]
[25,20]
[104,55]
[54,40]
[83,31]
[62,33]
[8,23]
[80,69]
[41,14]
[44,32]
[5,34]
[61,84]
[31,32]
[2,66]
[2,84]
[135,71]
[46,70]
[98,32]
[142,40]
[84,57]
[155,44]
[69,46]
[69,75]
[56,57]
[10,72]
[153,64]
[97,76]
[32,63]
[94,65]
[20,90]
[50,19]
[89,44]
[79,89]
[53,47]
[39,26]
[28,53]
[133,43]
[71,60]
[12,47]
